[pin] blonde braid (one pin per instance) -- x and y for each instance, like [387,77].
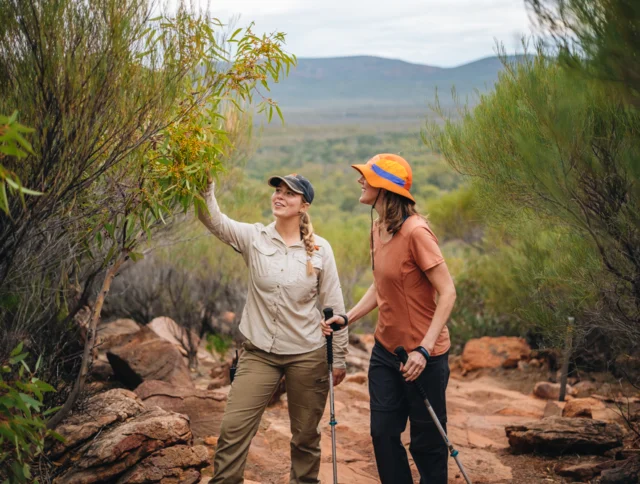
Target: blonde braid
[306,229]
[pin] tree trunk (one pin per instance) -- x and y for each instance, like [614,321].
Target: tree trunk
[89,344]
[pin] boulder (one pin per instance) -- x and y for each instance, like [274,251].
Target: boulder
[115,333]
[147,357]
[179,463]
[114,451]
[581,407]
[581,472]
[220,376]
[203,407]
[585,388]
[625,472]
[489,352]
[98,412]
[554,409]
[551,391]
[169,330]
[560,435]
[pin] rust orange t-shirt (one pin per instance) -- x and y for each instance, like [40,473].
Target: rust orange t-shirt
[406,297]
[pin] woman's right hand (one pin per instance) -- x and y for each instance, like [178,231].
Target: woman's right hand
[326,325]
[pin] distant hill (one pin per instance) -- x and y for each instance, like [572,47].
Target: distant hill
[365,88]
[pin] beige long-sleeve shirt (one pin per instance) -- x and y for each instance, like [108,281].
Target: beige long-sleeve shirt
[281,314]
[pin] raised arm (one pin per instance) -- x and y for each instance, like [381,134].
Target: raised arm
[237,234]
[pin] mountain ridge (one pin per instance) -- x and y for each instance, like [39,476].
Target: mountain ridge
[353,88]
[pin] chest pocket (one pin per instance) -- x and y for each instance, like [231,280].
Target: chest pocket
[263,260]
[300,275]
[304,287]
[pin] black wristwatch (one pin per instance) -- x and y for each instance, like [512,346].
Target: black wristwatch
[423,351]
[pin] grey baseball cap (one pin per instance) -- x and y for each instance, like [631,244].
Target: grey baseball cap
[296,183]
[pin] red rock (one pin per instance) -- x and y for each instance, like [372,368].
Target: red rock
[360,378]
[115,333]
[585,389]
[179,463]
[220,376]
[582,407]
[211,440]
[147,357]
[554,409]
[535,363]
[559,435]
[168,330]
[625,472]
[99,412]
[119,448]
[551,391]
[203,407]
[580,472]
[489,352]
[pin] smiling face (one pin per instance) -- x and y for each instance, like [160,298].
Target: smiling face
[369,193]
[285,203]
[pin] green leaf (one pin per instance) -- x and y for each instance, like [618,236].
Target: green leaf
[233,36]
[12,150]
[17,350]
[50,411]
[136,256]
[27,191]
[4,201]
[35,404]
[56,436]
[17,359]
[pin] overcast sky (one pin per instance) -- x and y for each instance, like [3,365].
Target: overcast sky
[436,32]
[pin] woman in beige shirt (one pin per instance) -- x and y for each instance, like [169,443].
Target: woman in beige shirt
[291,270]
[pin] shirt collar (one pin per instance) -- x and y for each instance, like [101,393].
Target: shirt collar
[271,231]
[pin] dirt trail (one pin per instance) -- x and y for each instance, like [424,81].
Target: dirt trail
[479,405]
[479,409]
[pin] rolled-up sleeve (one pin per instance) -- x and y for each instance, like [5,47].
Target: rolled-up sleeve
[237,234]
[330,293]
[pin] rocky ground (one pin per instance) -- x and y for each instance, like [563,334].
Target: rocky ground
[502,418]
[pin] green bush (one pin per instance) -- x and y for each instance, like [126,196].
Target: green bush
[218,343]
[22,418]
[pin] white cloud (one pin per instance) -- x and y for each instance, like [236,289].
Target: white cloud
[436,32]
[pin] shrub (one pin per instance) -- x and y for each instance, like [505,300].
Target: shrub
[22,418]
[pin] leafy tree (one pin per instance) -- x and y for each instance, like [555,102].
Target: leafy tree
[131,115]
[596,38]
[563,150]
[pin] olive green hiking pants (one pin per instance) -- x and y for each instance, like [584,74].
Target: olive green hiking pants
[256,379]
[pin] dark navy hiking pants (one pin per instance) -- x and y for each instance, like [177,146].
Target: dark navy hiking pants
[393,402]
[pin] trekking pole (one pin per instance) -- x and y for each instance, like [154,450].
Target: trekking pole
[328,314]
[403,357]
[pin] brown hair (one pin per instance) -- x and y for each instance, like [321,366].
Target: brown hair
[306,230]
[396,209]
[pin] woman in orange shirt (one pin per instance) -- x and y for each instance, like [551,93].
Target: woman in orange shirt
[414,293]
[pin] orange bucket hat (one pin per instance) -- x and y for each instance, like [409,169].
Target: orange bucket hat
[388,171]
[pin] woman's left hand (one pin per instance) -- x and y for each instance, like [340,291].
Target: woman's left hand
[338,375]
[415,365]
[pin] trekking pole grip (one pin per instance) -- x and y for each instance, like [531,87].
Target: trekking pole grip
[403,356]
[328,314]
